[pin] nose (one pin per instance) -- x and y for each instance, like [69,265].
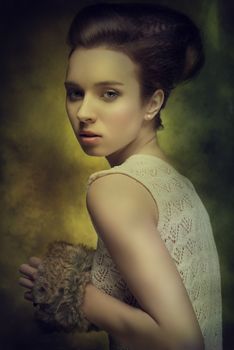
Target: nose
[84,113]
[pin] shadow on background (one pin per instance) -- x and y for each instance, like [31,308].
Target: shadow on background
[44,172]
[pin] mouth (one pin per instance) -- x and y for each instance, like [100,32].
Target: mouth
[88,134]
[89,139]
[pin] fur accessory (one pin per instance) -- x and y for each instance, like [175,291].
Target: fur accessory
[59,288]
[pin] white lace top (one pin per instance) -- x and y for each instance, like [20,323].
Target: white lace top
[184,226]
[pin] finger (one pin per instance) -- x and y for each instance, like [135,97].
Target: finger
[28,296]
[35,261]
[29,271]
[25,282]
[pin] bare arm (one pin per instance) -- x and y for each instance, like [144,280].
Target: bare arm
[132,326]
[167,320]
[125,224]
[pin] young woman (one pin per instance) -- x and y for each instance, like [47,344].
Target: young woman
[155,274]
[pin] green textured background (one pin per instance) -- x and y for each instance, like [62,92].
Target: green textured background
[44,171]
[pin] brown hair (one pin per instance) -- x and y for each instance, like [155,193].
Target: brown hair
[165,44]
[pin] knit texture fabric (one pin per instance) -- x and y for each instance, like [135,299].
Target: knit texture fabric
[185,227]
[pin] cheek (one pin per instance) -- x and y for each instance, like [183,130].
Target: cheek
[124,117]
[70,111]
[72,117]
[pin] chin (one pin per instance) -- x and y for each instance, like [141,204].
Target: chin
[93,153]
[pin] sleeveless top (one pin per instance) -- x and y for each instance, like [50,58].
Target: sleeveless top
[185,227]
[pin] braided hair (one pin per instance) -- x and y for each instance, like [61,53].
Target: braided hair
[165,44]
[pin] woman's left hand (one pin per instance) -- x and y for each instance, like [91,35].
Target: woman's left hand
[29,274]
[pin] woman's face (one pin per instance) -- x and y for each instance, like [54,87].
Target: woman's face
[110,110]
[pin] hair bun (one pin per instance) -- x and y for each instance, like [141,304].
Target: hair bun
[165,44]
[194,57]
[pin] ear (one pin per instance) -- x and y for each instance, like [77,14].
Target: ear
[155,104]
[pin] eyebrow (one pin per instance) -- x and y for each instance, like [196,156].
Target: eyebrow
[101,83]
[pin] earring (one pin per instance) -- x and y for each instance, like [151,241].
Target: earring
[148,117]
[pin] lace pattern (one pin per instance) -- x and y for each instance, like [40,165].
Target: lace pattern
[184,226]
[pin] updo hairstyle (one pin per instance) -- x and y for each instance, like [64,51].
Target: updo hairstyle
[165,44]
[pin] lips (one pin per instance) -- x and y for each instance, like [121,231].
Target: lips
[88,134]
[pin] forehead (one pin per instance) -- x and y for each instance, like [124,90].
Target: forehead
[93,65]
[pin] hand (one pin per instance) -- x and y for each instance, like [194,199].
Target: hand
[29,274]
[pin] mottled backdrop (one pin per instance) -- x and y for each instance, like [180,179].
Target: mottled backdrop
[44,171]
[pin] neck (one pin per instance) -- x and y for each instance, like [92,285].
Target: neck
[148,146]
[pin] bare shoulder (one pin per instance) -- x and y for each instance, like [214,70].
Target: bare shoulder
[121,190]
[119,210]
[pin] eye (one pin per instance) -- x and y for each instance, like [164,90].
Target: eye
[73,95]
[112,92]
